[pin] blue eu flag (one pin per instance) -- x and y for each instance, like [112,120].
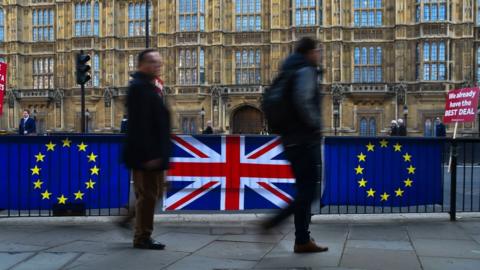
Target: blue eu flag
[41,172]
[383,172]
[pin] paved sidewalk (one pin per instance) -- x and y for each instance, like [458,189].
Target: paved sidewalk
[354,244]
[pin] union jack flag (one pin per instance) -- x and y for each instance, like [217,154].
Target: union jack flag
[228,173]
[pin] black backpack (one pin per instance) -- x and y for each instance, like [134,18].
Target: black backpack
[276,103]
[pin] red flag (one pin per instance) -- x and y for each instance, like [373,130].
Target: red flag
[3,84]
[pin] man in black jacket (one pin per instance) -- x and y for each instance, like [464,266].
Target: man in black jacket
[147,145]
[27,124]
[302,141]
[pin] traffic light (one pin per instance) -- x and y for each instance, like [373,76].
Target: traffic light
[82,68]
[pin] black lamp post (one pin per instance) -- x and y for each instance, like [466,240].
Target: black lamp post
[87,118]
[336,115]
[405,115]
[202,114]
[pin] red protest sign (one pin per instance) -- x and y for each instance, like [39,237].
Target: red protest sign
[461,105]
[3,83]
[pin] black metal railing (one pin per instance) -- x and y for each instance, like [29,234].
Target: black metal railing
[65,170]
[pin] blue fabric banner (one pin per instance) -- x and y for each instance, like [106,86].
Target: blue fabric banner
[383,172]
[38,172]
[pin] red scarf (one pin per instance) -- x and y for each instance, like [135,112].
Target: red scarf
[159,86]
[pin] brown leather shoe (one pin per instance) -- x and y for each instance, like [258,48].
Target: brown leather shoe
[310,247]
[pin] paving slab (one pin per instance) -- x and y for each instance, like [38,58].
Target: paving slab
[84,259]
[8,260]
[282,256]
[469,226]
[378,232]
[205,263]
[476,237]
[432,230]
[132,259]
[434,263]
[235,250]
[54,236]
[268,238]
[13,247]
[91,247]
[378,259]
[385,245]
[185,242]
[324,235]
[227,230]
[467,249]
[47,261]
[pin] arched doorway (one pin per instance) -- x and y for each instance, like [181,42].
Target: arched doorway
[247,120]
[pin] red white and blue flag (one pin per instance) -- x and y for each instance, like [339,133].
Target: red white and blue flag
[228,173]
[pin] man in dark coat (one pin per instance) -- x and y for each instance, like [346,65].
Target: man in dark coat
[440,129]
[123,125]
[402,129]
[394,128]
[209,129]
[147,146]
[302,141]
[27,124]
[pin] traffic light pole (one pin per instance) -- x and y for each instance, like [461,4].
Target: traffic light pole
[82,87]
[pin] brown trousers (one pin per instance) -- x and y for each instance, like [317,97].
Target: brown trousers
[149,186]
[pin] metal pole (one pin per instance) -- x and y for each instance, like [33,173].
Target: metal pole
[147,25]
[82,87]
[453,182]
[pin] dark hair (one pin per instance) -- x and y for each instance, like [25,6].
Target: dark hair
[27,110]
[304,45]
[142,55]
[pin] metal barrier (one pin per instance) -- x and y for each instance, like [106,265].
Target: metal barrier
[36,177]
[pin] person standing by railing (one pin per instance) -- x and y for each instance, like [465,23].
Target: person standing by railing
[301,138]
[27,124]
[147,147]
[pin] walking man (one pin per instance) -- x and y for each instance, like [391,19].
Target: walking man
[27,124]
[147,146]
[302,140]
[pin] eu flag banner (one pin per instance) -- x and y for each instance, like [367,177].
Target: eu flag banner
[383,172]
[43,171]
[228,173]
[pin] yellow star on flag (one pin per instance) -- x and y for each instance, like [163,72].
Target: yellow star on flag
[399,192]
[46,195]
[79,195]
[362,157]
[82,147]
[371,192]
[411,170]
[359,170]
[50,146]
[94,170]
[407,157]
[408,182]
[62,199]
[40,157]
[362,183]
[383,143]
[370,147]
[37,184]
[92,157]
[66,142]
[35,170]
[398,147]
[384,196]
[90,184]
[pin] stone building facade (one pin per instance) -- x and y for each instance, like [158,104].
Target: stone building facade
[381,59]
